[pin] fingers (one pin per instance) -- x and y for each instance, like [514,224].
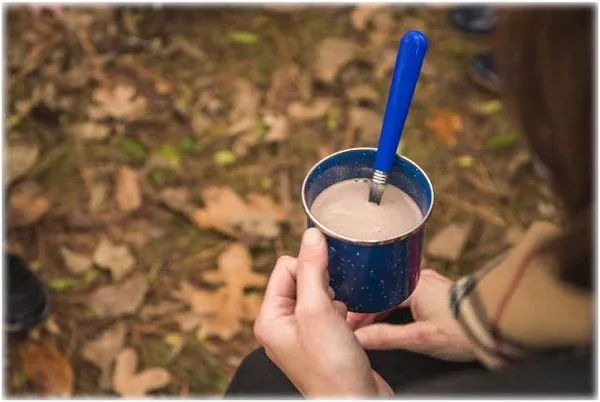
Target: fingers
[281,289]
[416,337]
[312,275]
[359,320]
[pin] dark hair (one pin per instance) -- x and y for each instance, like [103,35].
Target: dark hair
[545,58]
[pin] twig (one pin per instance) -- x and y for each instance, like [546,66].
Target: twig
[283,44]
[72,339]
[188,48]
[206,254]
[484,213]
[285,190]
[490,249]
[91,52]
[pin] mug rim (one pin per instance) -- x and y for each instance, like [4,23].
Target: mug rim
[360,242]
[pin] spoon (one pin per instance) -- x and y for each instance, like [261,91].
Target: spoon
[411,54]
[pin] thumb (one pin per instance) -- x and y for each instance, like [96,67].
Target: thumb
[383,388]
[416,337]
[311,269]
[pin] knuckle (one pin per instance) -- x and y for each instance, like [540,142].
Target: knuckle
[260,332]
[285,260]
[308,310]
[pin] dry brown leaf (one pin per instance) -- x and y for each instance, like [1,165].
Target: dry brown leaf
[25,209]
[119,103]
[91,131]
[445,125]
[75,262]
[160,309]
[102,350]
[19,159]
[362,14]
[129,383]
[117,259]
[245,142]
[200,123]
[46,368]
[316,110]
[251,307]
[448,243]
[98,196]
[241,126]
[266,204]
[279,128]
[228,213]
[383,69]
[128,192]
[220,204]
[219,313]
[243,117]
[245,101]
[226,323]
[283,88]
[52,327]
[121,298]
[176,198]
[366,123]
[362,93]
[333,54]
[383,29]
[201,301]
[235,270]
[188,321]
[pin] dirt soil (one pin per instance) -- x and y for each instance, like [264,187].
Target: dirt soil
[147,147]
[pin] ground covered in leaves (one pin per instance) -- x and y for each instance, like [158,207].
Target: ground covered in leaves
[155,159]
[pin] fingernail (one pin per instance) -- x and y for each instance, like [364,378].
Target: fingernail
[311,237]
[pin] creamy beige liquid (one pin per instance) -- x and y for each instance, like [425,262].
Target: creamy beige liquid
[344,208]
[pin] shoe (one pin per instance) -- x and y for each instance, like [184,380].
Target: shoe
[482,72]
[478,20]
[27,300]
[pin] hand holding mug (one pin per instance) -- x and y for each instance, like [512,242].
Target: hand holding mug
[304,330]
[435,332]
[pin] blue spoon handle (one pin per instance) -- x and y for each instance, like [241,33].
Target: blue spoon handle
[411,54]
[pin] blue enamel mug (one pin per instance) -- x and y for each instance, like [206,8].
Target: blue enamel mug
[371,276]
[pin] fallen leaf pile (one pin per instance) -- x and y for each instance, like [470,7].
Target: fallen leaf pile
[220,313]
[140,153]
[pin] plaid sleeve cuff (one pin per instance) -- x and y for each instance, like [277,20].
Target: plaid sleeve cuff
[492,348]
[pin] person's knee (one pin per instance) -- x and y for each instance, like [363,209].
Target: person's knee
[256,359]
[258,375]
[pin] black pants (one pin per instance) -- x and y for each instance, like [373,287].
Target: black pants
[258,376]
